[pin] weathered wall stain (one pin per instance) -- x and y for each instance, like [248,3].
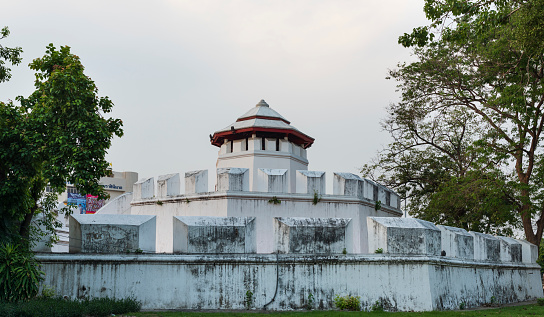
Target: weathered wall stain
[401,283]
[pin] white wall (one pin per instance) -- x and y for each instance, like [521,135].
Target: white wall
[401,283]
[255,204]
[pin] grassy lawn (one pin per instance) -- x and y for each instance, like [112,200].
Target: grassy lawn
[526,310]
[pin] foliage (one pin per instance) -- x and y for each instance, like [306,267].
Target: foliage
[47,292]
[248,301]
[56,135]
[274,200]
[378,205]
[347,302]
[59,307]
[540,260]
[20,273]
[11,55]
[310,302]
[379,250]
[540,301]
[467,132]
[317,198]
[377,306]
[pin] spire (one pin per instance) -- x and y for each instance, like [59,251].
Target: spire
[262,103]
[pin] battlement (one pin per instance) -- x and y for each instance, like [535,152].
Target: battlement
[297,235]
[268,180]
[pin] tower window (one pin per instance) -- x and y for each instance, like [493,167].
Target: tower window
[247,144]
[277,144]
[231,146]
[263,143]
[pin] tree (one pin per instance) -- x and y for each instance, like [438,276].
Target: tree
[56,135]
[482,62]
[12,55]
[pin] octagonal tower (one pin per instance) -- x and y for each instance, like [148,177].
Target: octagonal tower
[262,138]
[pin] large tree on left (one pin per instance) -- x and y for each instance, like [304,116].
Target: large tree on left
[58,134]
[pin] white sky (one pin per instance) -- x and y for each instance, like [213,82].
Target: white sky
[179,70]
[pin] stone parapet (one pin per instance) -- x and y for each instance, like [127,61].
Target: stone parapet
[409,236]
[312,235]
[112,233]
[272,180]
[196,182]
[232,179]
[529,252]
[168,185]
[457,242]
[511,249]
[486,247]
[214,235]
[310,182]
[144,188]
[348,184]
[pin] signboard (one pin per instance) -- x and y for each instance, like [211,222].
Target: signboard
[78,200]
[93,204]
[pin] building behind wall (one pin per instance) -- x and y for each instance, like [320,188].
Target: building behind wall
[116,184]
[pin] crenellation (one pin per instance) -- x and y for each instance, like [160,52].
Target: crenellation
[395,200]
[510,250]
[168,185]
[486,247]
[232,179]
[394,235]
[457,242]
[196,182]
[144,188]
[348,184]
[310,182]
[384,196]
[273,180]
[529,252]
[112,233]
[313,235]
[214,235]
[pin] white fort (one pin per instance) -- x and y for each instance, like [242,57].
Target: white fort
[262,172]
[269,227]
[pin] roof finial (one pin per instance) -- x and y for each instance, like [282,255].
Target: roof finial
[262,103]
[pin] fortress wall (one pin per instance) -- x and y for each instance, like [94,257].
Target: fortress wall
[211,281]
[234,199]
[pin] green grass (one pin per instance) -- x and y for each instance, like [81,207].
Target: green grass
[526,310]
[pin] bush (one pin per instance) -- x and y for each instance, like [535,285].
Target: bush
[540,301]
[59,307]
[20,273]
[347,302]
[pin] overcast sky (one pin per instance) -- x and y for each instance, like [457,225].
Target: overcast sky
[179,70]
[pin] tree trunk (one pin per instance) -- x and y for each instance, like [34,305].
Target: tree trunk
[24,229]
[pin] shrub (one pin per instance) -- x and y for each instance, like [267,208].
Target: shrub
[378,306]
[347,302]
[59,307]
[20,273]
[540,301]
[249,299]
